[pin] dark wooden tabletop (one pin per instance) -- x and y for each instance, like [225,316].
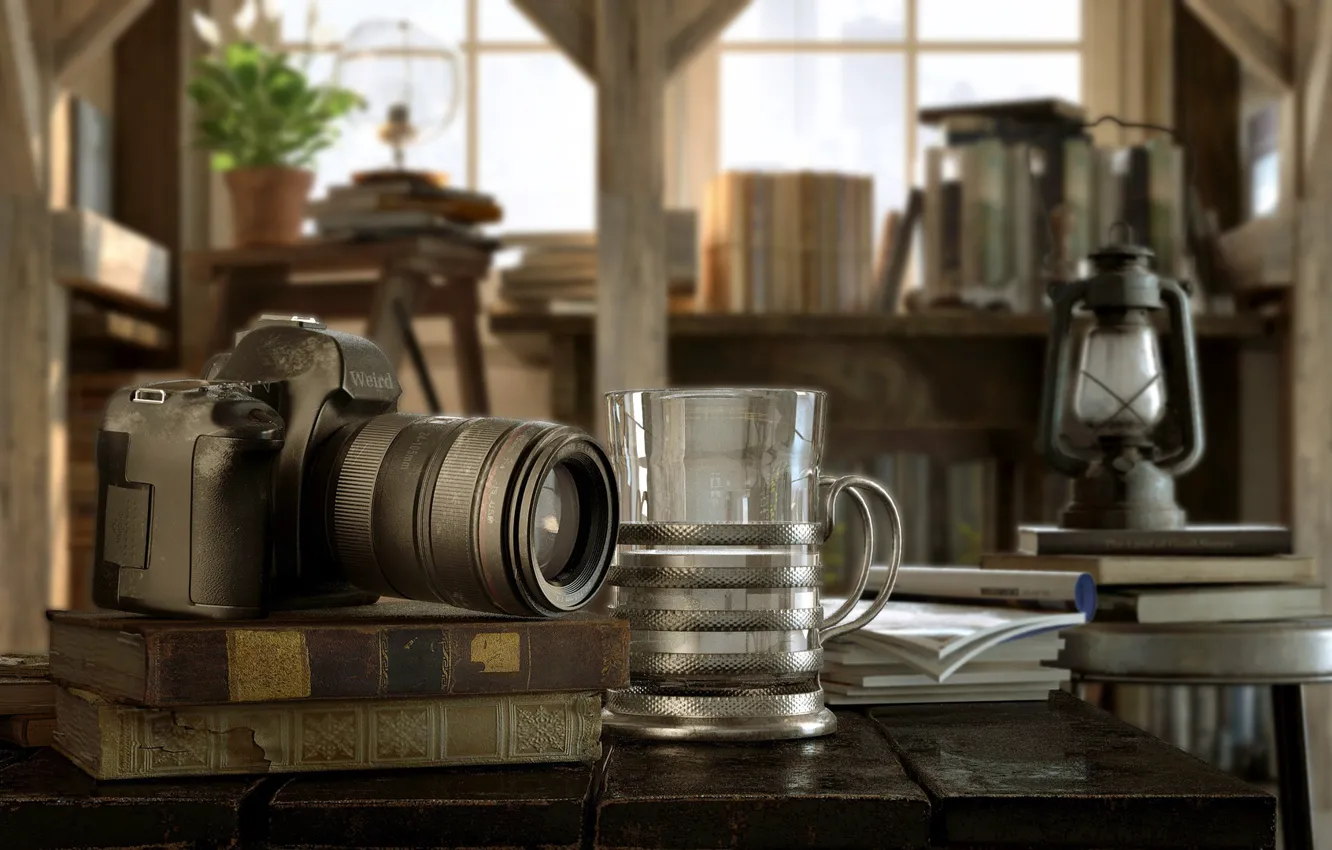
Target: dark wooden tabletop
[1017,775]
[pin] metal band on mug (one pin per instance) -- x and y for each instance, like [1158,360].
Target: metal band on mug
[728,621]
[725,663]
[718,559]
[636,701]
[718,599]
[721,534]
[715,577]
[756,642]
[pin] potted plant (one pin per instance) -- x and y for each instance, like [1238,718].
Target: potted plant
[263,122]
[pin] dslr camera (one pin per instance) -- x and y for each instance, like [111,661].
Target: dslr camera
[287,479]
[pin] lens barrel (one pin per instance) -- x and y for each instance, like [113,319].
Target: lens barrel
[493,515]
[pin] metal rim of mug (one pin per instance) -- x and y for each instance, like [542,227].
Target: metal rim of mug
[704,643]
[720,621]
[717,598]
[721,534]
[759,704]
[724,663]
[719,559]
[702,578]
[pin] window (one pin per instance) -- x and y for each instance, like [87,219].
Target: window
[834,84]
[513,82]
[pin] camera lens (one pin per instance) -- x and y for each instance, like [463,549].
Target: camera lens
[492,515]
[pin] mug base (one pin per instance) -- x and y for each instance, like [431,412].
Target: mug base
[813,725]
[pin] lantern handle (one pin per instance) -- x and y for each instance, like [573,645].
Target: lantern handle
[1054,389]
[1184,356]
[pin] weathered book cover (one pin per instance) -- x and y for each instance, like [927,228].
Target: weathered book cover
[28,730]
[386,650]
[1220,540]
[114,741]
[24,686]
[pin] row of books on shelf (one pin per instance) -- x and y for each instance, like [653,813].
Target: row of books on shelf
[787,242]
[1001,218]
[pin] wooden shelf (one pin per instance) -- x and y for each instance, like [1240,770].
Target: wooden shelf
[958,324]
[108,262]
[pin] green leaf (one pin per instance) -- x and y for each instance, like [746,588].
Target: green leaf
[223,161]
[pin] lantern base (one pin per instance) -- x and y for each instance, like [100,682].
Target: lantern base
[1140,498]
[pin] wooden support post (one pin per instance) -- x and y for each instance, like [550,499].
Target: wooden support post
[33,341]
[1242,26]
[631,216]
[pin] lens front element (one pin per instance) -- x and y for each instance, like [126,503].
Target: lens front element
[492,515]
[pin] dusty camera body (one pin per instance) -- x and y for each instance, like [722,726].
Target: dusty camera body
[287,478]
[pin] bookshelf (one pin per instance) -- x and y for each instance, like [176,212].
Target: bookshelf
[955,386]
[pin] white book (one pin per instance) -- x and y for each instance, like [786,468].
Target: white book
[970,676]
[1221,604]
[1043,647]
[1072,589]
[890,696]
[939,637]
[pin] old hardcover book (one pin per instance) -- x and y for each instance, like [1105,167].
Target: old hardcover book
[1169,569]
[1220,540]
[24,686]
[385,650]
[115,741]
[27,730]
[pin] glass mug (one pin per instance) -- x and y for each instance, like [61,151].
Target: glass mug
[718,570]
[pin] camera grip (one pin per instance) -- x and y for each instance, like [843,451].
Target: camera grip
[231,498]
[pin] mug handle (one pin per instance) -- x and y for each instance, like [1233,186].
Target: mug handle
[858,486]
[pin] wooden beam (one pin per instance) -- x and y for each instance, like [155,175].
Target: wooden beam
[34,316]
[571,25]
[1316,91]
[92,33]
[1256,46]
[631,217]
[695,23]
[22,117]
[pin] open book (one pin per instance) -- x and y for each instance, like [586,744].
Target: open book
[937,638]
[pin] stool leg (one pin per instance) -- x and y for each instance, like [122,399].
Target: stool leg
[1292,767]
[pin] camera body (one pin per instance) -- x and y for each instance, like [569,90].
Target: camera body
[208,505]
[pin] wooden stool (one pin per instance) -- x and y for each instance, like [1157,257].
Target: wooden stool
[386,282]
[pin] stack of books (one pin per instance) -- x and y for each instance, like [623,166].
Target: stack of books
[1184,580]
[788,242]
[393,685]
[957,634]
[27,701]
[402,204]
[557,272]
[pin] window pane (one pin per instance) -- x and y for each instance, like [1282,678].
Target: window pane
[537,145]
[445,19]
[843,112]
[820,20]
[500,20]
[999,20]
[944,79]
[359,148]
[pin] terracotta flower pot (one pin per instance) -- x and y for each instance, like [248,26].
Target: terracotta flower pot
[268,204]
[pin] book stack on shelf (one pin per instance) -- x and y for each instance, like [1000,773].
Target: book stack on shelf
[787,242]
[1185,581]
[27,701]
[1019,194]
[557,272]
[401,204]
[957,634]
[392,685]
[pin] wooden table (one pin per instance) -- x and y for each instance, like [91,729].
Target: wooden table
[1060,774]
[953,385]
[386,282]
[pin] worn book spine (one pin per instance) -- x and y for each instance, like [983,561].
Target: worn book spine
[166,664]
[115,741]
[1230,542]
[28,730]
